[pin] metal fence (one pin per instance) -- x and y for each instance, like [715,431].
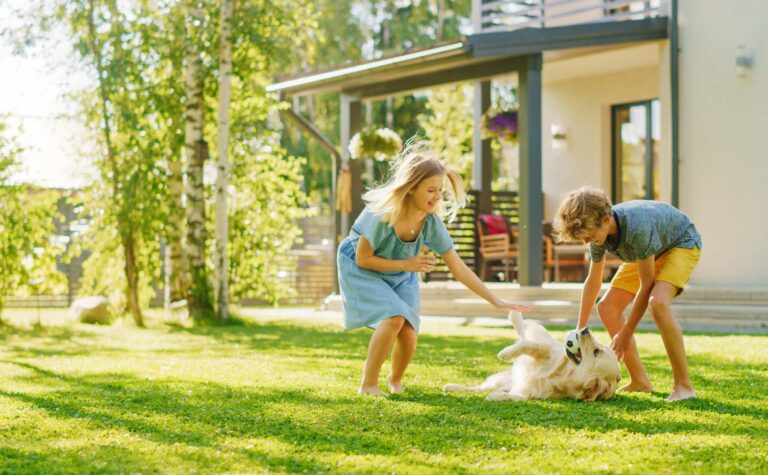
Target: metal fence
[507,15]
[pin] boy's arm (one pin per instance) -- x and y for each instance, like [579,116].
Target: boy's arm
[590,291]
[464,274]
[621,340]
[366,259]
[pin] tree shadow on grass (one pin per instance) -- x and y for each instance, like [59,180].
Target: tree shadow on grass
[43,459]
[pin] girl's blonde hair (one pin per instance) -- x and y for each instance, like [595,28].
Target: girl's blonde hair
[581,213]
[415,163]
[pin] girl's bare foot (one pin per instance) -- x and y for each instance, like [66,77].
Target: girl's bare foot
[395,387]
[680,394]
[370,390]
[634,387]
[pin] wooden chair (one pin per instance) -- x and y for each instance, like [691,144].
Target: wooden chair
[496,246]
[574,262]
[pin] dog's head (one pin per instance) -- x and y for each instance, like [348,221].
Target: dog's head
[596,373]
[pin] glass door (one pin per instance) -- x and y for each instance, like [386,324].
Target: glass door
[636,134]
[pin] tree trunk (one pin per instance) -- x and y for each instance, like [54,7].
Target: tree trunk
[177,269]
[132,276]
[199,296]
[440,20]
[131,270]
[222,171]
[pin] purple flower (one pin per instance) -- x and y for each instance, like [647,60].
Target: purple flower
[500,125]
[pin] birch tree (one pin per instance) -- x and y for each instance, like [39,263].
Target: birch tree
[222,177]
[196,151]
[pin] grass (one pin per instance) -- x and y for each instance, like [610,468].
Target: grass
[278,396]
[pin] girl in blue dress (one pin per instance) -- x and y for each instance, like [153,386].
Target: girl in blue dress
[380,258]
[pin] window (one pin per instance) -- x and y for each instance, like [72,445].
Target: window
[636,134]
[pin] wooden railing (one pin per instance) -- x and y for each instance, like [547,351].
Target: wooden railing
[463,230]
[507,15]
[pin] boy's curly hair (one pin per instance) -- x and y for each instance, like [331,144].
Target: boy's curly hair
[580,214]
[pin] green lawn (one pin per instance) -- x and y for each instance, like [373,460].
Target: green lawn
[279,396]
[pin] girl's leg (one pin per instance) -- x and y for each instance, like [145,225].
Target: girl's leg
[611,310]
[401,356]
[381,343]
[660,304]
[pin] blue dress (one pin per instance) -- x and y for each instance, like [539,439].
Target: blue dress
[369,296]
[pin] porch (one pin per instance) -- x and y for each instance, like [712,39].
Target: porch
[510,38]
[737,310]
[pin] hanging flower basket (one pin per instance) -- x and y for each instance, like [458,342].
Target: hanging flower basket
[381,144]
[500,125]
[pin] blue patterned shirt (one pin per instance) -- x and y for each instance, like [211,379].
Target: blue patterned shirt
[647,228]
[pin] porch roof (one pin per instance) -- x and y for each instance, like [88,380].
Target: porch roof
[475,57]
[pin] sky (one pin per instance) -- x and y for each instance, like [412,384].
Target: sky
[32,102]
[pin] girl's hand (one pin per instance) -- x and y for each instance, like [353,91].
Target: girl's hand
[501,304]
[420,263]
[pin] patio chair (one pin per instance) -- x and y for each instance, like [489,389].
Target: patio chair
[497,243]
[574,263]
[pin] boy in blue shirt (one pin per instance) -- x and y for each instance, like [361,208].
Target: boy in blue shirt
[660,248]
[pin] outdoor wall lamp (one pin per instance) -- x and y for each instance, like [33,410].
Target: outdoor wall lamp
[558,135]
[743,61]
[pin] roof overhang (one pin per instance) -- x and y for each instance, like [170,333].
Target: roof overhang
[479,56]
[539,40]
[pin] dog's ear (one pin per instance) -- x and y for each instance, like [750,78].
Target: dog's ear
[595,388]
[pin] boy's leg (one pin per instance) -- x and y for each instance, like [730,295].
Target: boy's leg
[401,356]
[611,310]
[381,343]
[660,304]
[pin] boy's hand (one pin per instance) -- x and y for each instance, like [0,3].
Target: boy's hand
[620,343]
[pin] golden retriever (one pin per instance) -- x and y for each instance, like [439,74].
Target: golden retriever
[545,369]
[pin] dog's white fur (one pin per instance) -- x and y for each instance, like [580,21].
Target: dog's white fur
[542,369]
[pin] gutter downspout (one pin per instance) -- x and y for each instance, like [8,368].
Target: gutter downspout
[674,52]
[326,144]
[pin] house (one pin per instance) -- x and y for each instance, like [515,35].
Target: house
[652,99]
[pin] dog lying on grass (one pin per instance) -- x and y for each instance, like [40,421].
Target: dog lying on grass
[547,369]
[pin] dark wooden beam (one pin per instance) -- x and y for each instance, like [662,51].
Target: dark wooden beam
[530,261]
[351,123]
[397,84]
[537,40]
[481,149]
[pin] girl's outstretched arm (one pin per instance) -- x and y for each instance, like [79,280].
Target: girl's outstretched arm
[465,275]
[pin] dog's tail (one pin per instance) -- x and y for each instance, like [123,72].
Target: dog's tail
[517,320]
[453,388]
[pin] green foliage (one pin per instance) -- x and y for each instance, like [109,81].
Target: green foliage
[381,144]
[265,202]
[449,125]
[27,227]
[279,396]
[349,31]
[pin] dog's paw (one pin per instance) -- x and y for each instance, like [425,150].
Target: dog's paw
[507,354]
[497,396]
[451,387]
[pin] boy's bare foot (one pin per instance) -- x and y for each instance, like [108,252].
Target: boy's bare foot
[370,390]
[395,388]
[635,387]
[680,394]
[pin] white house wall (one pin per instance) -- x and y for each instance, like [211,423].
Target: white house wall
[581,107]
[724,131]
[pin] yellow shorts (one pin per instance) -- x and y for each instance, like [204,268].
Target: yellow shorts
[674,266]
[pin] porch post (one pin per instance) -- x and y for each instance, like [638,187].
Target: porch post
[531,206]
[482,167]
[351,115]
